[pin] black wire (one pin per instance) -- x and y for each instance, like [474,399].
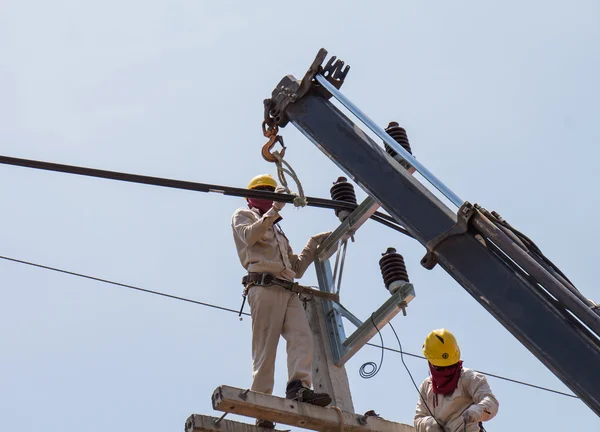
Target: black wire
[374,368]
[377,217]
[560,307]
[411,377]
[481,372]
[240,192]
[382,218]
[123,285]
[382,346]
[530,244]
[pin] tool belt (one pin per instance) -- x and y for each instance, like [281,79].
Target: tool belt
[262,279]
[265,279]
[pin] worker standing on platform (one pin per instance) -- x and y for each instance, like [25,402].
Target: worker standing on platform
[276,311]
[453,398]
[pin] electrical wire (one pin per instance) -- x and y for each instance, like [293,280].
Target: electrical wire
[411,377]
[382,346]
[535,252]
[382,218]
[121,285]
[481,372]
[499,221]
[404,363]
[374,369]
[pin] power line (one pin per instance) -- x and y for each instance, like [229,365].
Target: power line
[247,314]
[121,285]
[481,372]
[382,218]
[413,380]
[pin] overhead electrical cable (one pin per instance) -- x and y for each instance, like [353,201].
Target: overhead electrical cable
[162,294]
[382,218]
[120,284]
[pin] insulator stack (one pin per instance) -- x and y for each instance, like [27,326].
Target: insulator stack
[343,191]
[399,134]
[393,270]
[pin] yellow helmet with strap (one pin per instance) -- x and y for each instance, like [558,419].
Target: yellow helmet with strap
[262,180]
[440,348]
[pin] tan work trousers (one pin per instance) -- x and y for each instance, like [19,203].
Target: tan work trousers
[278,312]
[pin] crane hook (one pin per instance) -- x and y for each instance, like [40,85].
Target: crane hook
[271,133]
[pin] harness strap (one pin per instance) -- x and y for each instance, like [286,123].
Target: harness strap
[263,279]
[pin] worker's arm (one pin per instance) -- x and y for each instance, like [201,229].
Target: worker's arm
[251,230]
[485,402]
[301,262]
[424,422]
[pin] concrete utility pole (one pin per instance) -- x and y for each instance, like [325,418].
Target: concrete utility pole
[327,377]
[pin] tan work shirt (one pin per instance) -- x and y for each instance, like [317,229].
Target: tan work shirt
[472,389]
[263,248]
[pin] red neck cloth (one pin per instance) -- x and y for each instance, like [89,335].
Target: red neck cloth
[261,204]
[445,381]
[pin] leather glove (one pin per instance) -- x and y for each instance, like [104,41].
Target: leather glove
[277,206]
[320,238]
[473,414]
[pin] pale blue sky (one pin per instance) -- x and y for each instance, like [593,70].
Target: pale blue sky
[500,101]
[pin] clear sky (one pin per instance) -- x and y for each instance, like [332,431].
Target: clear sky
[500,101]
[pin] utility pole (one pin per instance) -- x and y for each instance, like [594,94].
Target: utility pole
[330,354]
[332,349]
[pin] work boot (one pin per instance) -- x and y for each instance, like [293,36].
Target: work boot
[265,424]
[296,391]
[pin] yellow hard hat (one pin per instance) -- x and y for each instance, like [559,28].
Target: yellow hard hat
[440,348]
[262,180]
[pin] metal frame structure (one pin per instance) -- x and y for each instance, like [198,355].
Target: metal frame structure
[547,315]
[343,348]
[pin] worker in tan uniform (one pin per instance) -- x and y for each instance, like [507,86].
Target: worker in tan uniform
[453,398]
[265,253]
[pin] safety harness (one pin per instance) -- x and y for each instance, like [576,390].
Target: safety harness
[266,279]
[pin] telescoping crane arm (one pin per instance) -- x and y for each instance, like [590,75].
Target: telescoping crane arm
[528,295]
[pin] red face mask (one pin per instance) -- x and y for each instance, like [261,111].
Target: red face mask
[444,381]
[262,204]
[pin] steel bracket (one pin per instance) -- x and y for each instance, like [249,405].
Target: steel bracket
[348,227]
[464,215]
